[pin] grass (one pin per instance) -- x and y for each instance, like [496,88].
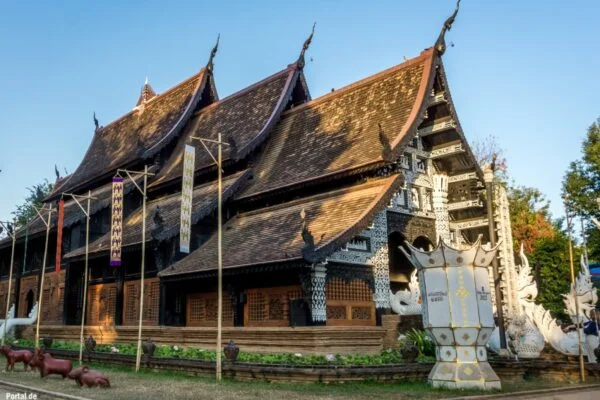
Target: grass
[148,385]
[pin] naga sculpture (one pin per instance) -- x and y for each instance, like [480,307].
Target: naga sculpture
[564,342]
[407,301]
[12,322]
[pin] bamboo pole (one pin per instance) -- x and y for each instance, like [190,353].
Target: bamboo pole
[574,291]
[85,276]
[219,261]
[218,161]
[10,273]
[41,293]
[142,268]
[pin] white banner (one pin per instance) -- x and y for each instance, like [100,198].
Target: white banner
[187,190]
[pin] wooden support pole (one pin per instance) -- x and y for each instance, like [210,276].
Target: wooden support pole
[143,270]
[10,274]
[219,261]
[85,276]
[41,286]
[574,293]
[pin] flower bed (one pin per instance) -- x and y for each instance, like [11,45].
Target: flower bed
[386,357]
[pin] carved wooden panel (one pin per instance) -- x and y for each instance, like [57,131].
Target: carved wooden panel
[350,303]
[269,306]
[355,290]
[102,304]
[350,313]
[53,301]
[131,303]
[4,294]
[202,310]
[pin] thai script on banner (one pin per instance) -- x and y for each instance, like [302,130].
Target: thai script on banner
[59,233]
[116,230]
[187,190]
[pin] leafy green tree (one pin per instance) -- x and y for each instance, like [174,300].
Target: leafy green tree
[581,186]
[26,211]
[545,244]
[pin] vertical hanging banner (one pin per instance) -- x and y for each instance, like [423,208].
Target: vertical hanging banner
[187,190]
[116,230]
[59,233]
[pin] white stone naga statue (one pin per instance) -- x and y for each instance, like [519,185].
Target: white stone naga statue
[407,301]
[585,294]
[12,322]
[523,338]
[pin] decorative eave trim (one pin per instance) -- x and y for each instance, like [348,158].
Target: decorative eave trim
[417,114]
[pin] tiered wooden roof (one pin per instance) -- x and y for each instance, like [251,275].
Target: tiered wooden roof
[244,119]
[140,133]
[274,234]
[339,132]
[72,212]
[163,215]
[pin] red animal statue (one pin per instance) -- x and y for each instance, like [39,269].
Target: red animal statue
[13,356]
[35,362]
[49,365]
[85,376]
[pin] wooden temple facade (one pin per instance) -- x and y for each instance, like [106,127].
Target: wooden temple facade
[318,196]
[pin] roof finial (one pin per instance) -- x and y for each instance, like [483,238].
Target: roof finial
[146,93]
[213,53]
[440,44]
[305,46]
[96,122]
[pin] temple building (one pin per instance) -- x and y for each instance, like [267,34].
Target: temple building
[318,196]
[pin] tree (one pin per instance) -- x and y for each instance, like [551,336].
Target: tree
[530,217]
[581,186]
[487,151]
[551,256]
[544,242]
[37,193]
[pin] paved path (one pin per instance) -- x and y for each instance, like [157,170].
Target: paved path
[593,394]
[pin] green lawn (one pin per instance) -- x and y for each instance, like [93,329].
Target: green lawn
[148,385]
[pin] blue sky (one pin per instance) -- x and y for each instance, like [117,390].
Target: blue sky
[524,71]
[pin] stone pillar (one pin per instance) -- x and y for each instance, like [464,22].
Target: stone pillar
[390,323]
[380,261]
[440,207]
[318,295]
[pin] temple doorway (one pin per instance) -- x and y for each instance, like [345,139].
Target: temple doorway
[400,267]
[29,301]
